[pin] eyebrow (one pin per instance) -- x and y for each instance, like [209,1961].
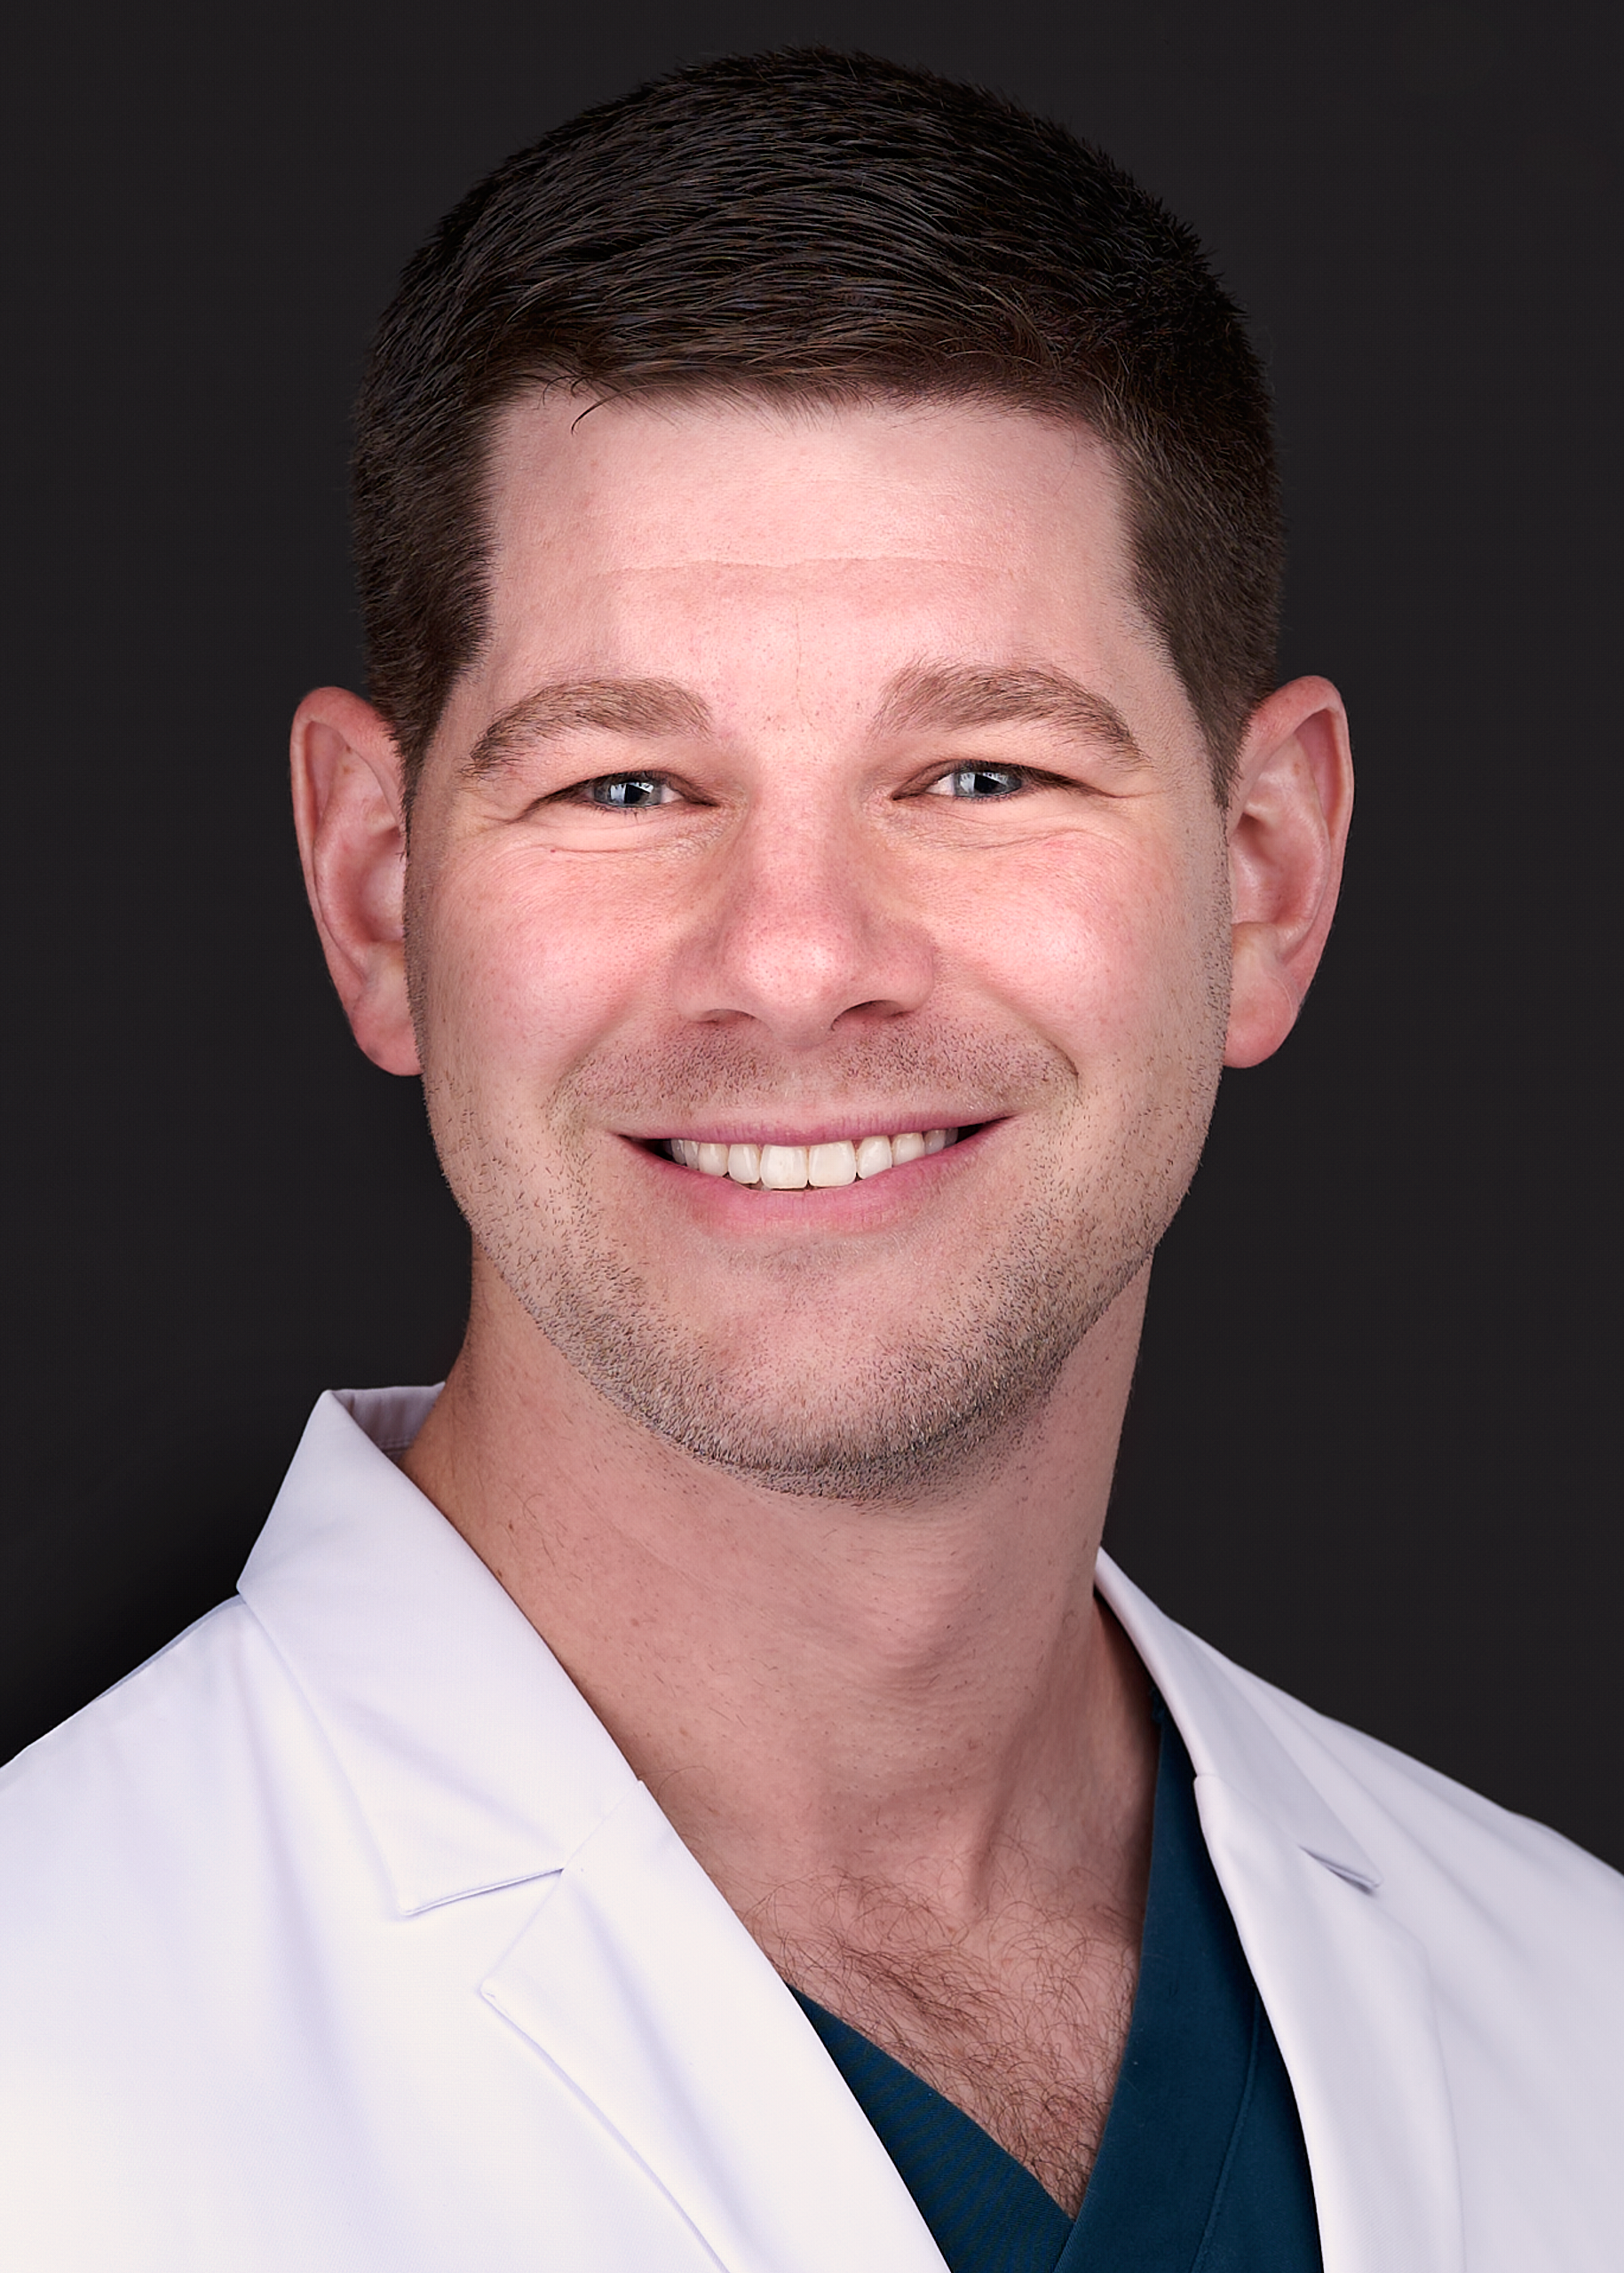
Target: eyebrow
[644,706]
[924,697]
[941,698]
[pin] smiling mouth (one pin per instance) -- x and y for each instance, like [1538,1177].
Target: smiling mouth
[802,1168]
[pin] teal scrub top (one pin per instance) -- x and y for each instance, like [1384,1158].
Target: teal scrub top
[1201,2168]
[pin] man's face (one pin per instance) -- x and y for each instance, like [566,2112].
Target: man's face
[818,781]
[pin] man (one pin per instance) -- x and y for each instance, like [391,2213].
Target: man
[693,1793]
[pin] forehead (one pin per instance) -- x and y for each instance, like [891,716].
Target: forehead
[738,546]
[756,481]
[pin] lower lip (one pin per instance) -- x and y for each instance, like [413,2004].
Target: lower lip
[853,1207]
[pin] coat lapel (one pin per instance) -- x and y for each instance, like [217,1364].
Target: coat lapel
[476,1763]
[1346,1984]
[640,1986]
[1347,1989]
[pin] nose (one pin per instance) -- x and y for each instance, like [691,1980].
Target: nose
[804,929]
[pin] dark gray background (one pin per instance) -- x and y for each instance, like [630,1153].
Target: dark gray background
[1365,1454]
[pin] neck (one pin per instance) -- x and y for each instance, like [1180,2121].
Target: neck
[926,1696]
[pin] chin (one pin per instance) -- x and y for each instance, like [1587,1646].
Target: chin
[826,1415]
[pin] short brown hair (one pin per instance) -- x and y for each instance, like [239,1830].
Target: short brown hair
[830,227]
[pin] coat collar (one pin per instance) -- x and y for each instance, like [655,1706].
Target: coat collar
[473,1757]
[476,1760]
[1218,1714]
[1346,1984]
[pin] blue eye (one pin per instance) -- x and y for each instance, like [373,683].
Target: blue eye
[980,782]
[629,792]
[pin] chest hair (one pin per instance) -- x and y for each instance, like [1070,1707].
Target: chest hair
[1020,2021]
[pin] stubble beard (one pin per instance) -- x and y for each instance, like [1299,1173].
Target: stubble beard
[894,1419]
[893,1424]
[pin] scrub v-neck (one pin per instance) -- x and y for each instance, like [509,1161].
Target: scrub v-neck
[1201,2168]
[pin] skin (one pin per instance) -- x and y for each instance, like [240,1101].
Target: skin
[805,1489]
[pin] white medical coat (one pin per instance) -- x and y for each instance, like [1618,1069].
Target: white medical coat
[340,1937]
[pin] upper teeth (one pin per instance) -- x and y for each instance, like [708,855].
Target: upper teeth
[791,1168]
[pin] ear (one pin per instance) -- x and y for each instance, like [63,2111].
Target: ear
[1287,827]
[349,812]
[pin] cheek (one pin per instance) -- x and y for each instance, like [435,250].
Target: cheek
[520,970]
[1115,951]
